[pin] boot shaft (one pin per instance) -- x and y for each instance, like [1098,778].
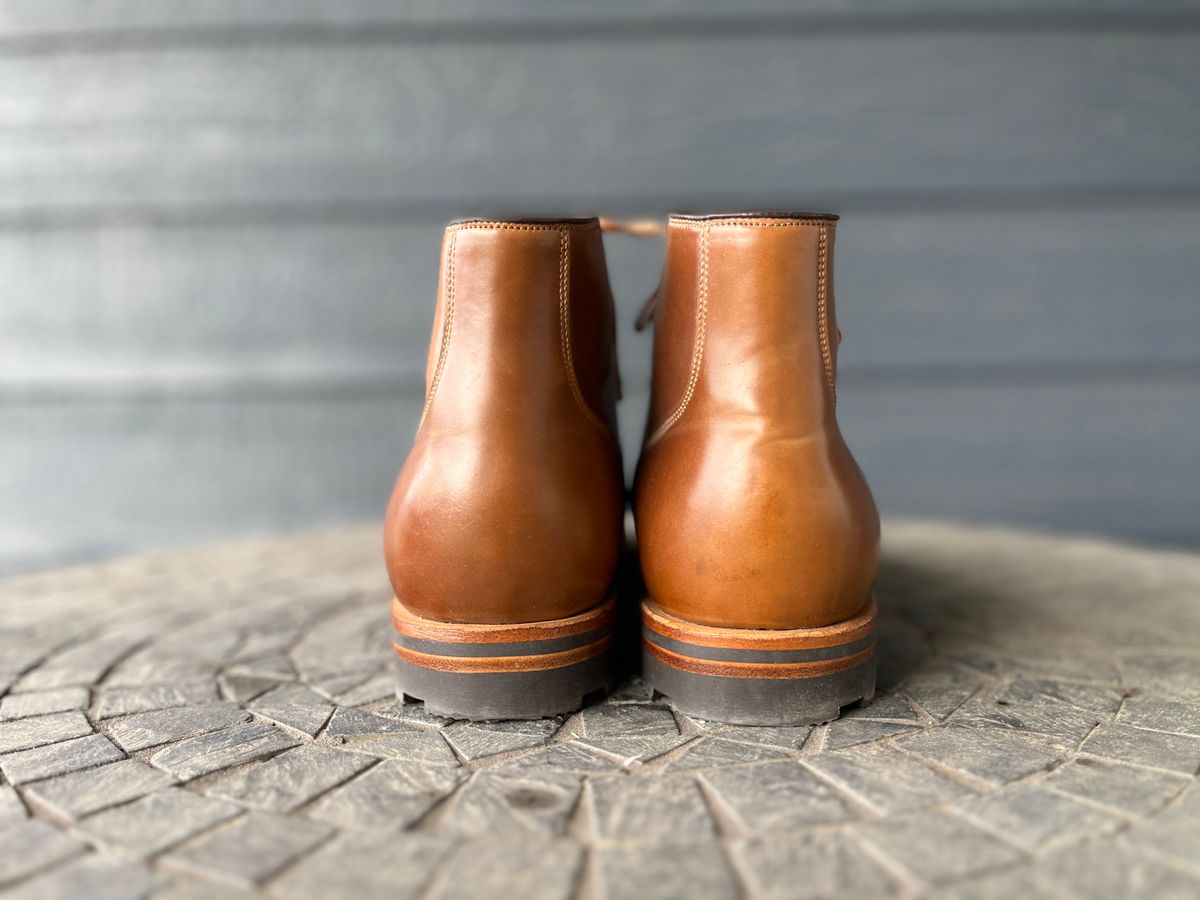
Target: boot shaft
[524,327]
[746,326]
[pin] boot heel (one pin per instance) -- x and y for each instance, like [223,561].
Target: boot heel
[527,670]
[748,676]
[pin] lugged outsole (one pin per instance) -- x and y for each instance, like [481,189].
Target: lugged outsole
[526,670]
[743,676]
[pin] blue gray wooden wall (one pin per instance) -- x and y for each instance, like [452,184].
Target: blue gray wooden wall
[219,224]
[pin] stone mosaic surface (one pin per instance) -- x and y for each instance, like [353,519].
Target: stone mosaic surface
[219,722]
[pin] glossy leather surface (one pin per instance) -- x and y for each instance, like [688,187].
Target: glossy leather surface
[509,506]
[750,510]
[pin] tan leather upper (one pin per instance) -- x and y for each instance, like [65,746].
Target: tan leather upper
[750,510]
[509,506]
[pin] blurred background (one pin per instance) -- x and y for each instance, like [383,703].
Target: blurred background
[220,221]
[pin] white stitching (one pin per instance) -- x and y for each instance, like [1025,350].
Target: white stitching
[448,321]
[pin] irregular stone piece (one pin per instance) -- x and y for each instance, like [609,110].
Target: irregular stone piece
[1033,816]
[1179,753]
[475,740]
[157,821]
[774,796]
[18,706]
[1111,869]
[714,752]
[631,732]
[815,864]
[412,713]
[1175,716]
[560,758]
[884,706]
[240,688]
[1175,832]
[150,729]
[11,808]
[1130,789]
[294,706]
[940,691]
[206,753]
[70,797]
[291,779]
[366,864]
[38,731]
[30,845]
[398,741]
[250,850]
[987,754]
[494,802]
[128,700]
[1100,701]
[936,847]
[848,732]
[883,779]
[57,759]
[531,869]
[394,794]
[665,870]
[93,876]
[649,809]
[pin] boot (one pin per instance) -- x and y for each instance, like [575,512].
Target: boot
[505,525]
[757,533]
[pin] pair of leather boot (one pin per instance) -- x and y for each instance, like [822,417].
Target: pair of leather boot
[756,532]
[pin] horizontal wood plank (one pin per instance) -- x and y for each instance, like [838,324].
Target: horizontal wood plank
[102,478]
[89,18]
[331,306]
[546,125]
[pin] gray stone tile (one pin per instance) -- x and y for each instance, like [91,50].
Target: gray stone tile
[56,759]
[241,688]
[1004,884]
[659,870]
[1034,817]
[39,703]
[884,779]
[476,740]
[987,754]
[72,796]
[32,845]
[155,822]
[648,809]
[288,781]
[531,869]
[1174,832]
[884,706]
[848,732]
[774,796]
[412,714]
[11,808]
[150,729]
[249,850]
[1170,675]
[365,866]
[1176,716]
[37,731]
[1129,789]
[809,866]
[1060,725]
[93,876]
[716,752]
[217,750]
[1107,870]
[1178,753]
[377,687]
[939,691]
[786,737]
[936,847]
[630,732]
[294,706]
[126,701]
[188,887]
[81,665]
[1100,701]
[561,758]
[393,794]
[428,747]
[497,802]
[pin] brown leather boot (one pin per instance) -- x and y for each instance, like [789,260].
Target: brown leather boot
[505,525]
[756,530]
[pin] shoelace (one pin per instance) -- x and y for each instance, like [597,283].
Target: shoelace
[639,228]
